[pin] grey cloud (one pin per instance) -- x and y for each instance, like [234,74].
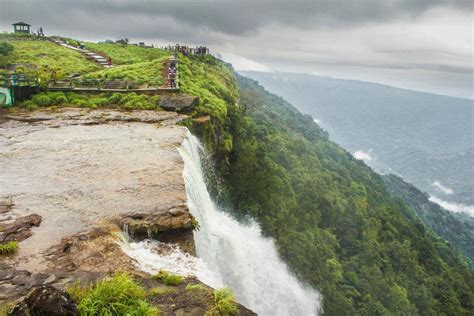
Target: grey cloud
[225,16]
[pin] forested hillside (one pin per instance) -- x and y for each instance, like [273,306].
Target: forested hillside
[457,228]
[425,138]
[333,220]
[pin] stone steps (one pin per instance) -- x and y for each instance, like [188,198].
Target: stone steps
[101,60]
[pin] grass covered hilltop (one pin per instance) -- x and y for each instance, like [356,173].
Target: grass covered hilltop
[332,218]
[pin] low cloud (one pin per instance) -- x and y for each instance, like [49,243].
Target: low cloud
[244,64]
[453,207]
[442,188]
[363,155]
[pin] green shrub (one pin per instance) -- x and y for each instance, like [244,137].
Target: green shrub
[130,105]
[155,99]
[99,102]
[168,279]
[119,295]
[57,98]
[224,300]
[5,48]
[115,98]
[80,103]
[42,100]
[30,105]
[132,101]
[8,248]
[60,100]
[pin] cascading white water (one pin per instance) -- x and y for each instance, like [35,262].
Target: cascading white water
[238,255]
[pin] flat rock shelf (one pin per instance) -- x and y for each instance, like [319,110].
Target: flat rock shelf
[80,169]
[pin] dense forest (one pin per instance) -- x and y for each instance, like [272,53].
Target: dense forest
[332,218]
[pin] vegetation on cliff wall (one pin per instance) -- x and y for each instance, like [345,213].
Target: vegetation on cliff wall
[214,83]
[332,218]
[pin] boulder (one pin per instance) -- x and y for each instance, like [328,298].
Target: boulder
[178,102]
[45,300]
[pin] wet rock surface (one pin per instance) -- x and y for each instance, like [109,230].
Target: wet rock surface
[20,228]
[166,225]
[94,251]
[46,300]
[15,284]
[75,116]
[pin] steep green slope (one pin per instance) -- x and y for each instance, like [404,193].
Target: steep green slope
[456,228]
[333,220]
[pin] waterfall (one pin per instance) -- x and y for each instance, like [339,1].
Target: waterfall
[237,254]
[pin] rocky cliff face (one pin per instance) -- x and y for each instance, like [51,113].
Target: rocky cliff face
[72,180]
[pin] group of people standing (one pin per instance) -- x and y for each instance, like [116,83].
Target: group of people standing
[185,50]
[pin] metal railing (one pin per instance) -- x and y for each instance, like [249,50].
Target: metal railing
[17,80]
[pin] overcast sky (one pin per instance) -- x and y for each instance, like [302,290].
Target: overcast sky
[417,44]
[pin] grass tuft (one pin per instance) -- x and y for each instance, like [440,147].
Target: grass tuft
[8,248]
[77,291]
[6,308]
[168,278]
[156,291]
[118,295]
[195,287]
[224,300]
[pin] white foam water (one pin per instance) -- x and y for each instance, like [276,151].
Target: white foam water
[152,256]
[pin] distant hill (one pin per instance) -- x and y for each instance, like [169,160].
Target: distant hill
[426,138]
